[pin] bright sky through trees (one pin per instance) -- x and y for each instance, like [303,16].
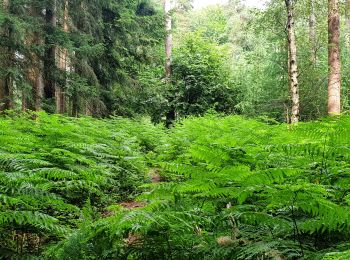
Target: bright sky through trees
[203,3]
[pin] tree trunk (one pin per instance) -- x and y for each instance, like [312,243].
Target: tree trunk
[38,86]
[51,52]
[293,66]
[35,69]
[312,32]
[62,64]
[347,22]
[24,102]
[6,96]
[168,39]
[334,66]
[171,113]
[2,95]
[76,65]
[6,82]
[75,105]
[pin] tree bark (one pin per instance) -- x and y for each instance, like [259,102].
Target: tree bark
[168,39]
[51,52]
[347,22]
[24,102]
[312,32]
[2,95]
[62,64]
[293,65]
[75,106]
[334,66]
[35,69]
[6,82]
[171,113]
[35,76]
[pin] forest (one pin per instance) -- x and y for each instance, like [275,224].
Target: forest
[158,129]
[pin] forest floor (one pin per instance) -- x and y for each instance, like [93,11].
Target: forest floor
[79,187]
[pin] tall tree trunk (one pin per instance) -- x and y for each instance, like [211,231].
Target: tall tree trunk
[35,69]
[312,32]
[2,95]
[6,82]
[24,101]
[75,105]
[77,64]
[62,64]
[3,84]
[51,51]
[334,66]
[293,66]
[37,81]
[168,39]
[171,114]
[347,22]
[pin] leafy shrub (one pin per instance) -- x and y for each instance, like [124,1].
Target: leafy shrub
[202,78]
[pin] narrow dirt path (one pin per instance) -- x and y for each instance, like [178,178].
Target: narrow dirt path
[155,177]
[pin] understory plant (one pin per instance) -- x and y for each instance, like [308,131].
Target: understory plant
[57,172]
[234,188]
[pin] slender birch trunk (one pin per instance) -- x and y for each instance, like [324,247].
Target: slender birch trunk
[293,66]
[334,66]
[171,114]
[168,39]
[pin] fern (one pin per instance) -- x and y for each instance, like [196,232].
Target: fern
[232,188]
[269,191]
[50,166]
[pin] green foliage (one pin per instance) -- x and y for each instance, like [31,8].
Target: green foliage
[235,189]
[113,46]
[107,46]
[256,50]
[215,29]
[50,166]
[201,78]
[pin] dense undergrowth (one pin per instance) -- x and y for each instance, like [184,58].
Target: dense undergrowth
[56,173]
[231,188]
